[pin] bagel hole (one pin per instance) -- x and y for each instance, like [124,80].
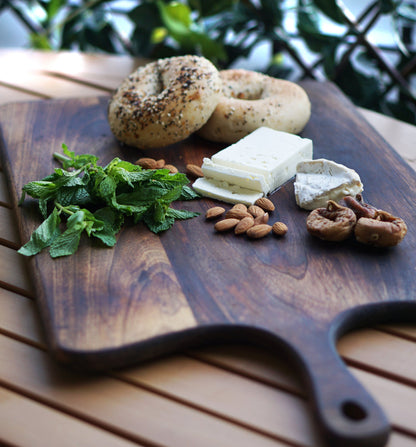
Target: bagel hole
[248,95]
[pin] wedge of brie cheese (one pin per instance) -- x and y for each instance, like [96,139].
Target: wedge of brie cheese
[256,165]
[318,181]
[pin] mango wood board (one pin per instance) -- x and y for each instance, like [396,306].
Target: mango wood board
[154,294]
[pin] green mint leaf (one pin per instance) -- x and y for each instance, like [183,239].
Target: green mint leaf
[43,236]
[159,211]
[107,188]
[181,214]
[96,199]
[75,161]
[172,195]
[40,189]
[67,243]
[73,195]
[143,195]
[157,227]
[188,194]
[112,223]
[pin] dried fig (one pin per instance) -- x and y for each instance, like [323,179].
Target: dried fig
[333,223]
[360,208]
[383,230]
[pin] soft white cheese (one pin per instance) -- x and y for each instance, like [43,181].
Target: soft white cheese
[253,181]
[262,161]
[318,181]
[254,166]
[222,190]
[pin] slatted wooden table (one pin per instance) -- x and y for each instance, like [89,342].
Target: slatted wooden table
[219,396]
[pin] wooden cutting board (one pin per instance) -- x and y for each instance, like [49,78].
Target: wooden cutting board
[154,294]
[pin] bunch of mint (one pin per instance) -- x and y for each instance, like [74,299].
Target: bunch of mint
[96,199]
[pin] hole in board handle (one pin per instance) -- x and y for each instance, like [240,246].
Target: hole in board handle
[353,411]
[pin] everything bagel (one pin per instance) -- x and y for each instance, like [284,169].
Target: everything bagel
[164,101]
[251,100]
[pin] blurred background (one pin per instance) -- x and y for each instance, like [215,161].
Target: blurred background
[368,48]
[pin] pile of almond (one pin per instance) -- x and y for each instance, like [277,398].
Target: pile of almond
[252,221]
[151,163]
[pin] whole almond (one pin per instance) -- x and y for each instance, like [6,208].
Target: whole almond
[244,225]
[214,212]
[160,163]
[261,219]
[255,210]
[194,170]
[279,228]
[237,214]
[259,231]
[265,203]
[146,163]
[239,206]
[226,224]
[172,169]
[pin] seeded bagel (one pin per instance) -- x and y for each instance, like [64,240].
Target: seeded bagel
[164,101]
[251,100]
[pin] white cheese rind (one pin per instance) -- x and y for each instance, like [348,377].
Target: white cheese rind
[221,190]
[318,181]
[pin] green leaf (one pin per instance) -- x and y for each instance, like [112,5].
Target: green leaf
[70,160]
[271,13]
[54,6]
[388,6]
[43,236]
[73,195]
[181,214]
[308,25]
[67,243]
[331,9]
[157,227]
[107,188]
[176,17]
[40,189]
[188,194]
[209,8]
[39,41]
[111,225]
[361,87]
[178,21]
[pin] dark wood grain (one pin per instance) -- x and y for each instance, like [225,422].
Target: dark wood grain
[150,295]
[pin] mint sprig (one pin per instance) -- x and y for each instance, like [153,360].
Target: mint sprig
[83,197]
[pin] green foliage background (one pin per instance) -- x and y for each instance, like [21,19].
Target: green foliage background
[225,30]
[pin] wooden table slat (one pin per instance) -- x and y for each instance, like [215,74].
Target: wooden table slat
[114,404]
[405,330]
[61,429]
[68,62]
[14,94]
[391,396]
[47,86]
[4,191]
[384,353]
[19,318]
[13,271]
[8,230]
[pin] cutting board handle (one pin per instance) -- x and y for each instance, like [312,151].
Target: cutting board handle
[345,411]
